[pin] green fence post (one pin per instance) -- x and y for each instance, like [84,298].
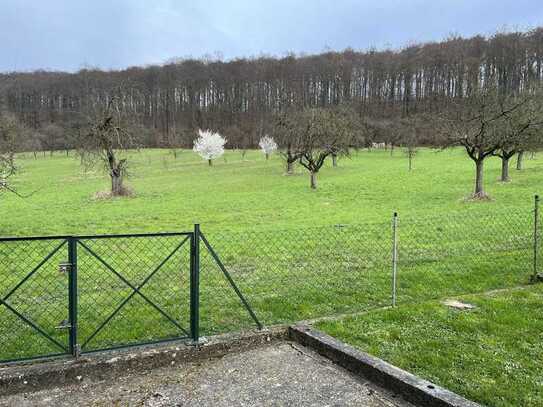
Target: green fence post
[394,256]
[535,275]
[72,296]
[195,285]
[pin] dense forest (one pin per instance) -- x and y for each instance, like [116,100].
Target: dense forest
[241,97]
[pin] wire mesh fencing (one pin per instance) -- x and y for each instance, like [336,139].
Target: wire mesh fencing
[66,295]
[537,274]
[33,298]
[308,273]
[132,290]
[470,253]
[293,275]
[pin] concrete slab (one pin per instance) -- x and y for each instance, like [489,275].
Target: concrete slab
[281,374]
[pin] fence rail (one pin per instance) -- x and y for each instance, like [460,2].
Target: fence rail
[64,295]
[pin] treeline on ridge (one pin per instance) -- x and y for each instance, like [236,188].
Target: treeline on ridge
[242,98]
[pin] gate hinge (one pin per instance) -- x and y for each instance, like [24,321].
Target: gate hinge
[64,325]
[64,268]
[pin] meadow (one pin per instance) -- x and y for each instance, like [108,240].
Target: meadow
[491,354]
[235,194]
[296,254]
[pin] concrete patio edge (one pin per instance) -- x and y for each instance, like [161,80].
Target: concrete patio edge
[34,376]
[412,388]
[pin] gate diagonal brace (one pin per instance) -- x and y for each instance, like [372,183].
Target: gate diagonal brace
[27,321]
[231,281]
[135,290]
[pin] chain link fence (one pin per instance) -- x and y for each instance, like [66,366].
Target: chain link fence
[292,275]
[68,295]
[132,290]
[33,299]
[146,288]
[310,273]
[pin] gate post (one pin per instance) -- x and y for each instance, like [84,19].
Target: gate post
[72,295]
[195,285]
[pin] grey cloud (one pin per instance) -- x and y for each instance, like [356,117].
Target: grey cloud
[66,34]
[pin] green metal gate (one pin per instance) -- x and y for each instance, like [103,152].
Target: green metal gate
[68,295]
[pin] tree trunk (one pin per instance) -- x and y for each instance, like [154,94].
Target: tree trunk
[410,161]
[290,167]
[116,183]
[334,160]
[313,176]
[520,162]
[210,162]
[479,187]
[505,169]
[392,150]
[267,156]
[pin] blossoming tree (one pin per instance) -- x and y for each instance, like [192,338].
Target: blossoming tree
[268,145]
[209,145]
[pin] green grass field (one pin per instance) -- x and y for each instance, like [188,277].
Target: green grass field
[491,354]
[296,254]
[172,194]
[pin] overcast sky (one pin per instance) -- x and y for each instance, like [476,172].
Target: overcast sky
[70,34]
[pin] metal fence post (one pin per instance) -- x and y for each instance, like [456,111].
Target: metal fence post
[536,238]
[195,285]
[394,256]
[72,295]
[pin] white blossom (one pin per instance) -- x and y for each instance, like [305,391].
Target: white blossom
[268,145]
[209,145]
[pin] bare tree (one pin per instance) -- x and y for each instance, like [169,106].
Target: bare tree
[518,128]
[520,160]
[411,151]
[233,132]
[105,139]
[287,132]
[53,137]
[406,132]
[291,157]
[320,134]
[10,129]
[474,123]
[175,141]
